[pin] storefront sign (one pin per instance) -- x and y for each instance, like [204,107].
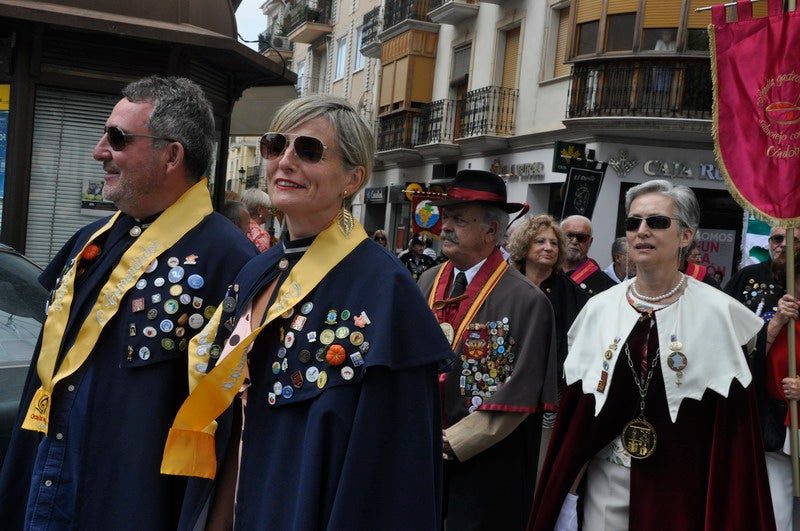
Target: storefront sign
[665,169]
[565,153]
[375,195]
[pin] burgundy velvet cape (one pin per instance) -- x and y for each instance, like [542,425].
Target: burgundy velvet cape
[707,472]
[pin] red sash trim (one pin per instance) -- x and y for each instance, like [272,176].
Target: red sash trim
[696,271]
[584,271]
[481,286]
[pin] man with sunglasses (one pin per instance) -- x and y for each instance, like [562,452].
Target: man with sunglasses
[129,291]
[584,271]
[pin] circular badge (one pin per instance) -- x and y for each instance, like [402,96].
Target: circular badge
[168,343]
[152,313]
[135,231]
[312,373]
[287,392]
[319,355]
[180,331]
[209,312]
[304,356]
[144,353]
[175,274]
[283,264]
[447,330]
[306,308]
[327,336]
[322,379]
[282,352]
[356,338]
[141,284]
[277,388]
[173,261]
[158,282]
[345,315]
[185,298]
[608,355]
[228,304]
[348,373]
[149,331]
[288,340]
[276,368]
[196,320]
[677,361]
[288,313]
[676,345]
[171,306]
[166,326]
[215,351]
[152,266]
[175,290]
[195,281]
[342,332]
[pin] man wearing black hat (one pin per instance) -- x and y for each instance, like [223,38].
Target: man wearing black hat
[499,324]
[415,260]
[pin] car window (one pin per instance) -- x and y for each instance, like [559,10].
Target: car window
[22,304]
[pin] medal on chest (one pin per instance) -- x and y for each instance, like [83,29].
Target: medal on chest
[639,437]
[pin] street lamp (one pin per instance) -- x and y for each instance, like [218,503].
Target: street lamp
[241,178]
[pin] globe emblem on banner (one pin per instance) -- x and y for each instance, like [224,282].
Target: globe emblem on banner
[426,215]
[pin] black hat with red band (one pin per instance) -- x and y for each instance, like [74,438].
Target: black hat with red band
[483,186]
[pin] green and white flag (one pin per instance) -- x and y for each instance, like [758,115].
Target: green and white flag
[755,241]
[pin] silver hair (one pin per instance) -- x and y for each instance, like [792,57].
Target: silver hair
[687,210]
[492,213]
[354,139]
[255,198]
[577,217]
[181,113]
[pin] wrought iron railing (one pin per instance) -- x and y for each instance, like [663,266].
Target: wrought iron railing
[488,111]
[397,11]
[304,11]
[674,89]
[371,27]
[440,3]
[399,131]
[437,122]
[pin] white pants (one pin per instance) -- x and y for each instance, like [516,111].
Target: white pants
[785,506]
[608,495]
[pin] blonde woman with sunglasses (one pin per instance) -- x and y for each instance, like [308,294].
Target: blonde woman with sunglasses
[657,428]
[327,357]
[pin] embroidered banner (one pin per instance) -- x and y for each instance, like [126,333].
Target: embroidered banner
[757,109]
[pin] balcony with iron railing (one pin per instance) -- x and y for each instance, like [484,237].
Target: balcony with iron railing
[437,125]
[398,133]
[308,20]
[487,118]
[403,15]
[370,44]
[668,99]
[452,11]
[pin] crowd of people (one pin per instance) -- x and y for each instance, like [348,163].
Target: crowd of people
[195,373]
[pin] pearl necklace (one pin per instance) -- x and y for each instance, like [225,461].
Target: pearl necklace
[657,298]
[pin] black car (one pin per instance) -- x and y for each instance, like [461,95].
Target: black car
[22,313]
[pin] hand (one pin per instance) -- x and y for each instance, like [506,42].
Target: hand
[791,388]
[787,309]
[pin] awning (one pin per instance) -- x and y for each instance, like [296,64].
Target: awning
[253,112]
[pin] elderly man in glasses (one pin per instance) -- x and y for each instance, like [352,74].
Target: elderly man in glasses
[584,271]
[129,291]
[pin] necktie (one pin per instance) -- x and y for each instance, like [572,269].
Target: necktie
[459,285]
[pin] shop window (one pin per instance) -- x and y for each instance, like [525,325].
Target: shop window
[587,37]
[620,32]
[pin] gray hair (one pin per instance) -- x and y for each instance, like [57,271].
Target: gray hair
[687,210]
[492,213]
[255,198]
[620,246]
[181,113]
[354,139]
[578,217]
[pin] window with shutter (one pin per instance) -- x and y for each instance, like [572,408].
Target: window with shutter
[561,68]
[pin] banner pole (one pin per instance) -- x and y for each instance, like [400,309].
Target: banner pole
[790,330]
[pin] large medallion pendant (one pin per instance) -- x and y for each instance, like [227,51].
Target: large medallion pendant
[639,438]
[448,331]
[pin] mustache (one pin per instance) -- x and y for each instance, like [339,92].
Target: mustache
[450,236]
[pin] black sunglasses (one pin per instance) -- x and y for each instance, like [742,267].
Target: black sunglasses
[778,239]
[381,238]
[118,139]
[633,223]
[578,237]
[308,148]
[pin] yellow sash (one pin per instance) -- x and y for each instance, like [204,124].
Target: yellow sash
[190,450]
[170,227]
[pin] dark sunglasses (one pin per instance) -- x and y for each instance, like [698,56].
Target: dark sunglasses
[308,148]
[633,223]
[118,139]
[380,238]
[778,239]
[578,237]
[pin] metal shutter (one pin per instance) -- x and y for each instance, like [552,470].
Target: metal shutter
[627,6]
[67,125]
[662,14]
[588,10]
[562,68]
[699,20]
